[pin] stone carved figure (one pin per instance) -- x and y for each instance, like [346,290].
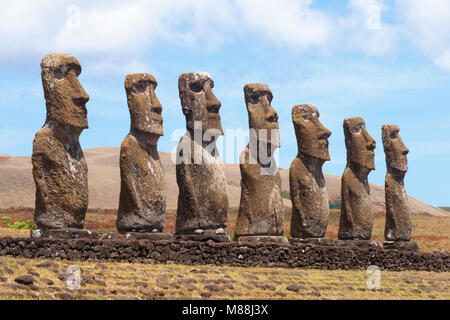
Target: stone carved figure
[310,208]
[398,219]
[142,201]
[261,205]
[59,167]
[356,212]
[203,199]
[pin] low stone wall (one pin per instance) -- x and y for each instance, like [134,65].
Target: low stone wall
[235,254]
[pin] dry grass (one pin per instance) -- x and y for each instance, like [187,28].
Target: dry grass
[120,280]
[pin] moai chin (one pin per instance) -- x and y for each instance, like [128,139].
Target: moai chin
[203,195]
[261,204]
[398,219]
[310,208]
[356,211]
[59,167]
[142,201]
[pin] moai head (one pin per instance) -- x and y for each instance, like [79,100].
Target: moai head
[359,143]
[312,136]
[144,106]
[261,116]
[394,148]
[64,95]
[199,102]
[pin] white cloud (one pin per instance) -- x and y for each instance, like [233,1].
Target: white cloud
[366,30]
[290,22]
[427,25]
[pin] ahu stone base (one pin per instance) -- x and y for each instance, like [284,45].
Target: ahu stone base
[263,239]
[338,243]
[401,245]
[153,236]
[234,253]
[66,233]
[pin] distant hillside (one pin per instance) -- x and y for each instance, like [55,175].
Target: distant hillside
[445,208]
[17,186]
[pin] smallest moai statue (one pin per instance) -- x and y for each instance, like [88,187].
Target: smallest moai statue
[398,219]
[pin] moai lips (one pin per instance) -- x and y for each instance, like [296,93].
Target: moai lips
[356,212]
[203,199]
[398,219]
[310,209]
[59,167]
[142,201]
[261,205]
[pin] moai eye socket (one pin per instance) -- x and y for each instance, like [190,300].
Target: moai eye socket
[254,98]
[196,86]
[139,87]
[393,134]
[357,128]
[58,73]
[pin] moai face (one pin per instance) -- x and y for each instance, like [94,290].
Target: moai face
[64,95]
[261,115]
[359,143]
[394,148]
[145,109]
[199,102]
[312,136]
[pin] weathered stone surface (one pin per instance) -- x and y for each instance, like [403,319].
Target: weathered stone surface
[59,167]
[65,233]
[261,204]
[272,239]
[398,219]
[204,237]
[148,236]
[142,201]
[25,280]
[310,208]
[401,245]
[338,243]
[203,199]
[356,212]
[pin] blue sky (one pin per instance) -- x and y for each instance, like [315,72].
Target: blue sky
[386,61]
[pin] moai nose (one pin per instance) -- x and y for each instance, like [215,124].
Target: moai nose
[212,103]
[324,132]
[272,115]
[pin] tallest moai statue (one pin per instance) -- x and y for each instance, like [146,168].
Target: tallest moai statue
[59,167]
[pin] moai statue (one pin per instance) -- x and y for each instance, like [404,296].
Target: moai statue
[356,210]
[59,167]
[310,207]
[398,219]
[203,199]
[260,216]
[142,201]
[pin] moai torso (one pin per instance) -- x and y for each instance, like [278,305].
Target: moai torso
[261,204]
[356,211]
[142,201]
[310,208]
[203,199]
[59,167]
[398,219]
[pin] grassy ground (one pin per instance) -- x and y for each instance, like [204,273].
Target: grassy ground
[146,281]
[117,280]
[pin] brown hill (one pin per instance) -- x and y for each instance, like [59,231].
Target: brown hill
[17,185]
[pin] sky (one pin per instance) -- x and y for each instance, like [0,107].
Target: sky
[387,61]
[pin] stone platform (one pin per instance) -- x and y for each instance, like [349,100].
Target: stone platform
[338,243]
[262,239]
[67,233]
[401,245]
[245,254]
